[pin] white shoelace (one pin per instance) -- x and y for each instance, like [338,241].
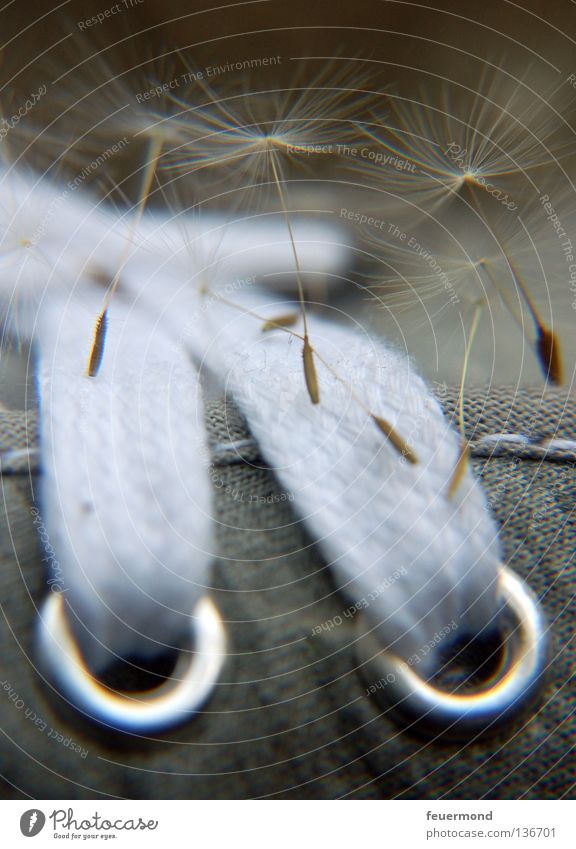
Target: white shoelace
[126,495]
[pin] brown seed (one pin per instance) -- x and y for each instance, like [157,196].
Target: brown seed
[395,439]
[459,470]
[310,372]
[288,320]
[100,277]
[97,351]
[549,356]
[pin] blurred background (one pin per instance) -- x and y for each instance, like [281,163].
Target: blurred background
[419,78]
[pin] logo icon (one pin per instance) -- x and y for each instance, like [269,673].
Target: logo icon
[32,822]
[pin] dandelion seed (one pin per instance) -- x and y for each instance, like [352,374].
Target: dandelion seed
[459,470]
[155,146]
[420,275]
[102,115]
[310,372]
[479,161]
[288,320]
[463,453]
[99,110]
[394,437]
[546,345]
[250,132]
[548,349]
[97,351]
[236,132]
[485,143]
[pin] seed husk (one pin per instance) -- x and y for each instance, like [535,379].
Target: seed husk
[394,438]
[97,351]
[288,320]
[459,470]
[310,372]
[549,356]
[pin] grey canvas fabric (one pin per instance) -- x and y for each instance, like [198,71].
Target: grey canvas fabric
[291,717]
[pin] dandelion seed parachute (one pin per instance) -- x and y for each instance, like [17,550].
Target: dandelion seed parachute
[250,135]
[495,143]
[236,133]
[407,275]
[96,109]
[443,269]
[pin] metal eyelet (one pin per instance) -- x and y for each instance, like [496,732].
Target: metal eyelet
[170,704]
[511,688]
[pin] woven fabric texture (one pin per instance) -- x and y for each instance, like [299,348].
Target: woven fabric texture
[291,716]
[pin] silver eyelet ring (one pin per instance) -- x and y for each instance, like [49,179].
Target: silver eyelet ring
[170,704]
[512,687]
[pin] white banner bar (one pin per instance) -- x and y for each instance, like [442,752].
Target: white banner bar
[296,824]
